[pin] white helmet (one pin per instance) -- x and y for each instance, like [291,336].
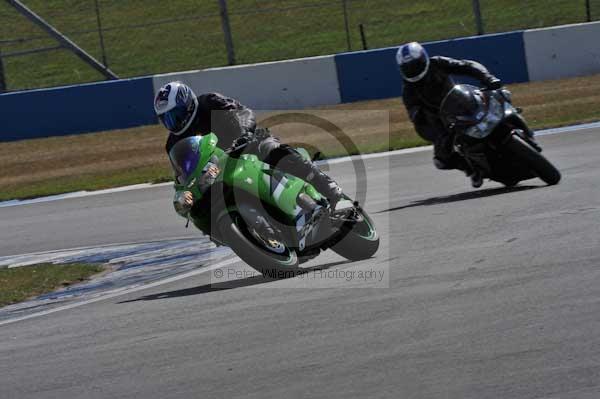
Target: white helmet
[176,106]
[413,61]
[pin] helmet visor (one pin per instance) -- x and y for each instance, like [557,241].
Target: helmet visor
[176,118]
[185,156]
[414,68]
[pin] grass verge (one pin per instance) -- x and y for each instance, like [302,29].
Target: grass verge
[31,168]
[20,283]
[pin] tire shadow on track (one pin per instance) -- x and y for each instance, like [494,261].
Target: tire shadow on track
[462,197]
[227,285]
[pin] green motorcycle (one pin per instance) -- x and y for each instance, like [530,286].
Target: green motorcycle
[272,221]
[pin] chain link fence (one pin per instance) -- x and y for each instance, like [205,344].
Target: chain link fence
[142,37]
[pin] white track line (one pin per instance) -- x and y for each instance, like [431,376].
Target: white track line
[123,291]
[569,129]
[79,194]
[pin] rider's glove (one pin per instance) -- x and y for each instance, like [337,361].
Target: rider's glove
[261,133]
[183,202]
[239,145]
[494,84]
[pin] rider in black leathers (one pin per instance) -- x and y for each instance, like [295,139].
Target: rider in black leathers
[184,114]
[427,81]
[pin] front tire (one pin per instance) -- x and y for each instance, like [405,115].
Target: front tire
[510,183]
[282,263]
[533,159]
[359,241]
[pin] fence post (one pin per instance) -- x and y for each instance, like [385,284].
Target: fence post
[346,24]
[100,35]
[227,32]
[363,36]
[588,10]
[2,77]
[478,19]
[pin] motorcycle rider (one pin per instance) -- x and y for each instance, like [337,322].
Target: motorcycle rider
[427,81]
[184,114]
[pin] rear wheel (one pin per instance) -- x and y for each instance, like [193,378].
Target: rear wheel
[268,255]
[359,240]
[533,159]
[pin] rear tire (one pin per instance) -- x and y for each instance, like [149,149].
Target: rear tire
[359,241]
[533,159]
[246,246]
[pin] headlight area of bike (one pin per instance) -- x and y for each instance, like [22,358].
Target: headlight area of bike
[185,157]
[209,176]
[488,121]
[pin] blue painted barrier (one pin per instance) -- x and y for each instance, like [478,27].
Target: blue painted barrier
[373,74]
[76,109]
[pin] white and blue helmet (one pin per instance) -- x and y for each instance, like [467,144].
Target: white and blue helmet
[176,106]
[413,61]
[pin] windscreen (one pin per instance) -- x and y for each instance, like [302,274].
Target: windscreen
[185,156]
[463,106]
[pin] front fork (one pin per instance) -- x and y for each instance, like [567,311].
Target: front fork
[518,123]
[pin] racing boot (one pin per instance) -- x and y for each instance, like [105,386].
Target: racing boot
[326,186]
[476,179]
[473,174]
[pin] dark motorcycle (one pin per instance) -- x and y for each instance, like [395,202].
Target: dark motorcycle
[491,135]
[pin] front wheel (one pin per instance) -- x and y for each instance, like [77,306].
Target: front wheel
[533,159]
[270,256]
[358,241]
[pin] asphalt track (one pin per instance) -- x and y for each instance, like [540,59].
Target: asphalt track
[493,293]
